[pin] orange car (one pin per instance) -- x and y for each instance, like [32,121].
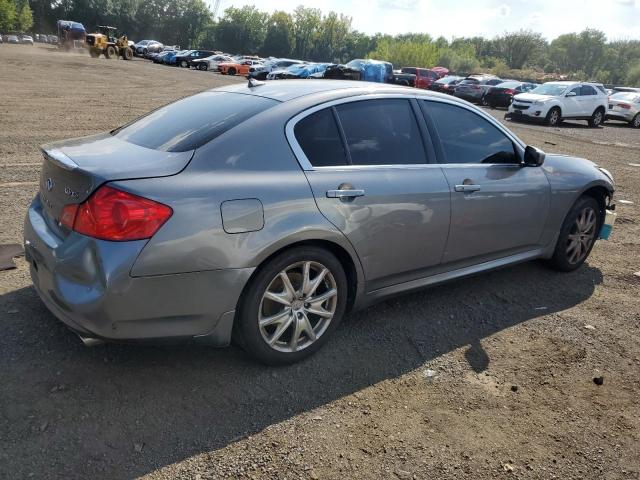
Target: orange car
[237,68]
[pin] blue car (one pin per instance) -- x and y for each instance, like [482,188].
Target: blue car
[170,59]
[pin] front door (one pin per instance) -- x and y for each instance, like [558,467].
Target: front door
[572,106]
[498,206]
[372,179]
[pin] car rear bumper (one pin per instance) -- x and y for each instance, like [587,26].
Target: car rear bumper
[86,283]
[625,117]
[498,100]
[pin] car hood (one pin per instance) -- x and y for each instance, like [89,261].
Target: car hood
[534,97]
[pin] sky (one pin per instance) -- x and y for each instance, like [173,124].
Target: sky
[619,19]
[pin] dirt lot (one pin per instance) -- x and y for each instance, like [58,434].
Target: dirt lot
[489,377]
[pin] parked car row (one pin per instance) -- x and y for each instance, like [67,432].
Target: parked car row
[18,38]
[550,103]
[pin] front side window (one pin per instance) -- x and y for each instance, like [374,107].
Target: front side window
[381,132]
[466,137]
[577,91]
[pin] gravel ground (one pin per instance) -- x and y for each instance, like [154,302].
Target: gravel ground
[488,377]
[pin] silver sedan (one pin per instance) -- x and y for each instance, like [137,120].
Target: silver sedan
[625,106]
[264,212]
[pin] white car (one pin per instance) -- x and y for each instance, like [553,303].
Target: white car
[211,62]
[553,102]
[261,71]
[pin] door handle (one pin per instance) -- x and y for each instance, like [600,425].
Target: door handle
[345,194]
[467,188]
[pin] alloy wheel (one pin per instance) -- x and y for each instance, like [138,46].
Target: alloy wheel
[297,306]
[581,236]
[554,117]
[636,121]
[597,118]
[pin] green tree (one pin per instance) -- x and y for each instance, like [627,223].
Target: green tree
[242,29]
[519,48]
[24,21]
[331,38]
[7,15]
[307,23]
[280,36]
[405,53]
[633,77]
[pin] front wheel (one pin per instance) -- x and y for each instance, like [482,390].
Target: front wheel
[484,102]
[553,118]
[232,71]
[635,123]
[578,234]
[127,54]
[110,52]
[184,63]
[596,119]
[203,66]
[292,306]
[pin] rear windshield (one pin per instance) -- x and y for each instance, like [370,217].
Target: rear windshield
[628,96]
[193,121]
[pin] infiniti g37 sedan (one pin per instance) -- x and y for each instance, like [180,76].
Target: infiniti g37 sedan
[262,213]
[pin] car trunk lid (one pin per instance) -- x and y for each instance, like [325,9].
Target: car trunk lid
[73,169]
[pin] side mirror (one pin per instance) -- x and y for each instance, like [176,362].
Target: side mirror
[533,157]
[570,94]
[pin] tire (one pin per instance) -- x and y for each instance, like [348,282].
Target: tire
[484,102]
[127,54]
[554,117]
[231,71]
[635,123]
[597,118]
[296,317]
[184,64]
[203,66]
[565,258]
[110,52]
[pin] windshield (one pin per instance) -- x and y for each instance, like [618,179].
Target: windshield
[193,121]
[549,89]
[508,85]
[356,64]
[626,96]
[448,79]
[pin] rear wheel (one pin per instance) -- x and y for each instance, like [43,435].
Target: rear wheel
[484,102]
[184,63]
[292,306]
[110,52]
[635,123]
[127,54]
[596,119]
[553,118]
[203,66]
[578,234]
[232,71]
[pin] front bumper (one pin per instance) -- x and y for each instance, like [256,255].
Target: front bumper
[527,111]
[87,284]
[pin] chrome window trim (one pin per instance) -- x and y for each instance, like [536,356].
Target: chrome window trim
[306,165]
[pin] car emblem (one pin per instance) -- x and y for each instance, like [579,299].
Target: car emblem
[50,184]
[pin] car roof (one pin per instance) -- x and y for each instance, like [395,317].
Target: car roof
[285,90]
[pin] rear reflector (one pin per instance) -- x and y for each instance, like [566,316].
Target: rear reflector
[111,214]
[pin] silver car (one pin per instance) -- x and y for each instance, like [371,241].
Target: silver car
[264,212]
[625,106]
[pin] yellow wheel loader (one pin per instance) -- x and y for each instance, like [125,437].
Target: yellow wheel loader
[108,43]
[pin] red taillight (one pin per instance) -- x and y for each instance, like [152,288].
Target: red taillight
[111,214]
[624,105]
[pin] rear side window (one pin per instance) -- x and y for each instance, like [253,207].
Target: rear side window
[588,90]
[320,140]
[381,132]
[193,121]
[467,137]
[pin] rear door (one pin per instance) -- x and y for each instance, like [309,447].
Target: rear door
[498,206]
[589,100]
[370,168]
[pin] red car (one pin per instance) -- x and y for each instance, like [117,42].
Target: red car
[425,76]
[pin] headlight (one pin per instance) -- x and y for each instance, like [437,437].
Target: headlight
[540,102]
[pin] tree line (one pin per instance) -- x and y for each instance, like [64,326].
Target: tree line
[15,16]
[310,34]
